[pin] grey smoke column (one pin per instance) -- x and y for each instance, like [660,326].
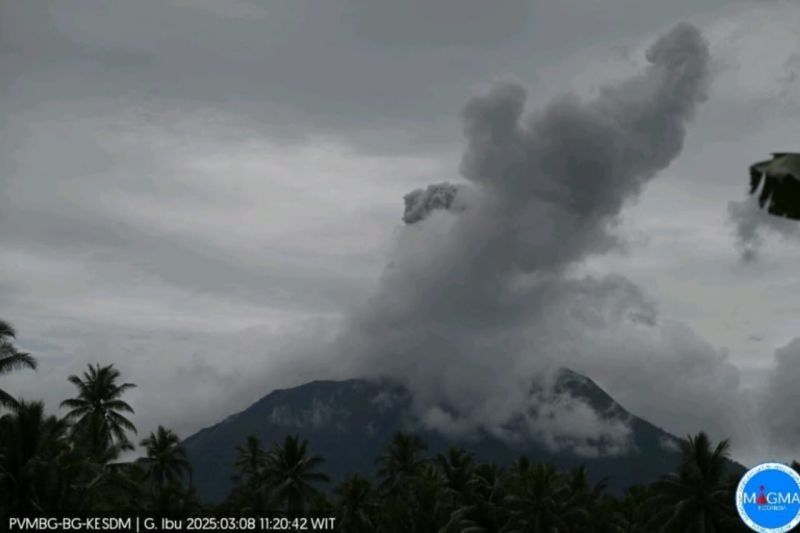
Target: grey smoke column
[576,163]
[421,202]
[462,312]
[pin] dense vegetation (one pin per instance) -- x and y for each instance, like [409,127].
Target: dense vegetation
[71,464]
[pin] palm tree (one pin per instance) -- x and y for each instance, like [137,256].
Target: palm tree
[356,505]
[252,458]
[698,498]
[401,462]
[11,359]
[539,501]
[34,454]
[166,463]
[97,411]
[635,510]
[293,472]
[457,466]
[426,508]
[588,502]
[484,509]
[251,494]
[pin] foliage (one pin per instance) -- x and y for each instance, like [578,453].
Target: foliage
[96,412]
[11,358]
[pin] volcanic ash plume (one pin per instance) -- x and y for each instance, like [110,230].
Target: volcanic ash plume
[422,202]
[465,313]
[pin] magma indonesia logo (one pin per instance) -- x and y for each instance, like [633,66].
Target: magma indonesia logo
[768,498]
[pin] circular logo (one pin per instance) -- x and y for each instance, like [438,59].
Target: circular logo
[768,498]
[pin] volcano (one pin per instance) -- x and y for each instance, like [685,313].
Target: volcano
[350,422]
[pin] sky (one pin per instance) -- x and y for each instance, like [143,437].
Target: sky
[209,195]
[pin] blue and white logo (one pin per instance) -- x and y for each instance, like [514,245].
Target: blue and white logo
[768,498]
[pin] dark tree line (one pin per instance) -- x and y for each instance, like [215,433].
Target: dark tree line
[71,464]
[453,492]
[52,465]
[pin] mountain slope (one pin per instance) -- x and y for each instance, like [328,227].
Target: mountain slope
[350,422]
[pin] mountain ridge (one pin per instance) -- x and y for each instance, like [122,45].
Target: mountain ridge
[349,422]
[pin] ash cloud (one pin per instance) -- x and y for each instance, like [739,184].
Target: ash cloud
[473,306]
[422,202]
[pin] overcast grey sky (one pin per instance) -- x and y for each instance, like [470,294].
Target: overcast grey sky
[200,191]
